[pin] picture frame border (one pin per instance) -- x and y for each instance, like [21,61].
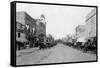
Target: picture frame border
[13,32]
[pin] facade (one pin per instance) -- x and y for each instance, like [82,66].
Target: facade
[89,29]
[81,30]
[41,26]
[25,24]
[91,23]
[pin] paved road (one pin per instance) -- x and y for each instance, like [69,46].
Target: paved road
[59,53]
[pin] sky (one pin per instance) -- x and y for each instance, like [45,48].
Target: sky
[60,20]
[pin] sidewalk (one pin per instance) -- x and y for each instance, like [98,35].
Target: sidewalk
[26,51]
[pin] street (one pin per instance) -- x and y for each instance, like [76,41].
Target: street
[57,54]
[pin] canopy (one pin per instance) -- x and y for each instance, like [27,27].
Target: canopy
[82,39]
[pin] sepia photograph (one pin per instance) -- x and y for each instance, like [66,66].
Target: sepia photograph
[47,34]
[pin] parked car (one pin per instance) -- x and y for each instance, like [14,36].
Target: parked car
[91,44]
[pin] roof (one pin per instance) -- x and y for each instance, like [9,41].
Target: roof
[22,16]
[91,14]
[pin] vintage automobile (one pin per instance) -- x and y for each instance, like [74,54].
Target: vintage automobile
[79,43]
[90,44]
[45,42]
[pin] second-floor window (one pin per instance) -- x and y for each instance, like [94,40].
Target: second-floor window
[18,34]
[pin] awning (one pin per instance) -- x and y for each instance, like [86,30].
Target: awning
[82,39]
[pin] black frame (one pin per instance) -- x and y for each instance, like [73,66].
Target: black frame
[13,32]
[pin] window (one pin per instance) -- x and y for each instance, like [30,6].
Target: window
[33,30]
[23,26]
[18,34]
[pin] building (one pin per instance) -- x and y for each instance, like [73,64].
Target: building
[28,26]
[91,23]
[89,29]
[25,24]
[41,26]
[81,31]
